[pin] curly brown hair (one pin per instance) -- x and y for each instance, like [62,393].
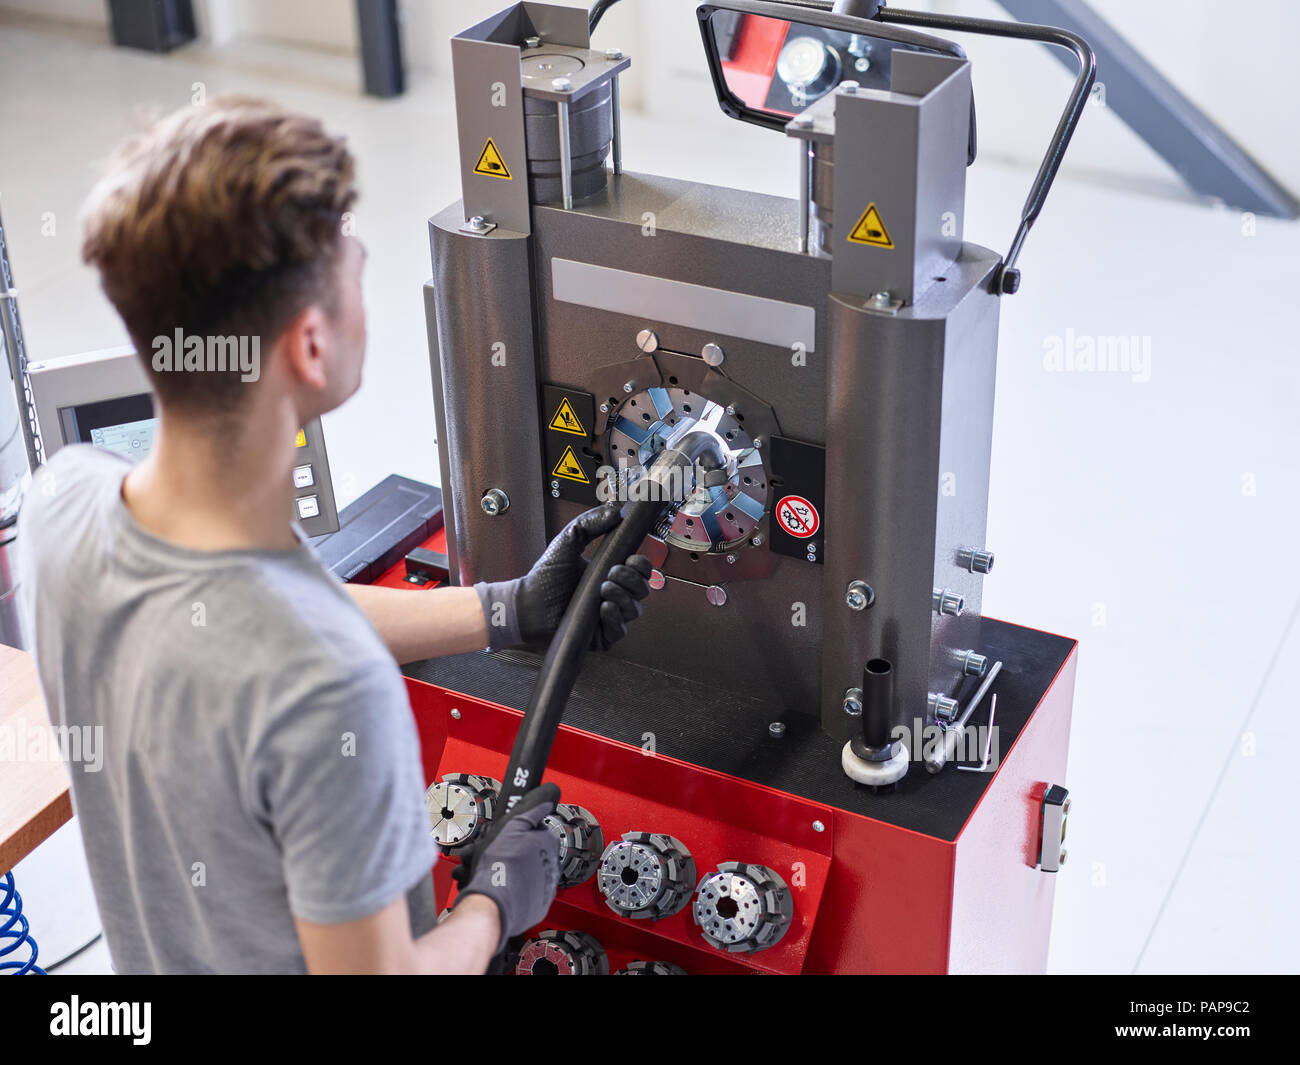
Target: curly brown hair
[219,220]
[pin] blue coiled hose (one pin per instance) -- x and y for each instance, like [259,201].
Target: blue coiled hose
[15,932]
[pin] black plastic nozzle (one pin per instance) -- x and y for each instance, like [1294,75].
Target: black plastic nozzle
[877,703]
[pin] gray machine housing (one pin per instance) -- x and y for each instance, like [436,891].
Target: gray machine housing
[883,358]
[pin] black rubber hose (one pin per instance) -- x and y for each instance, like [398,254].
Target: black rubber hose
[572,639]
[564,657]
[597,13]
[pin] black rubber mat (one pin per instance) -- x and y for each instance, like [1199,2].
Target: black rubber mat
[714,728]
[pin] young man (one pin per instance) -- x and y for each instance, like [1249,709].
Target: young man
[261,802]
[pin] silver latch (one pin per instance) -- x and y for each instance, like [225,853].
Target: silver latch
[1056,811]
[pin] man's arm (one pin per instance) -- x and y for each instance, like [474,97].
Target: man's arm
[419,625]
[450,621]
[507,887]
[463,944]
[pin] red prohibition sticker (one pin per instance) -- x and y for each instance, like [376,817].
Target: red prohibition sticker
[798,517]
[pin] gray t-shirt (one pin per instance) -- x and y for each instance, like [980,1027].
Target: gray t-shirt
[259,756]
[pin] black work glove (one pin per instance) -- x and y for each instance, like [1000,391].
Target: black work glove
[529,610]
[519,866]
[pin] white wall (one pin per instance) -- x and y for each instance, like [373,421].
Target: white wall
[1234,61]
[328,24]
[89,12]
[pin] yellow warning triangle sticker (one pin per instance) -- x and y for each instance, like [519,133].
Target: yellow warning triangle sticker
[871,230]
[570,468]
[491,164]
[567,421]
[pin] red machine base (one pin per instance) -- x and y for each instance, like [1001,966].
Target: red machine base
[870,895]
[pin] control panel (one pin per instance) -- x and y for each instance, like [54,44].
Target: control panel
[313,490]
[104,398]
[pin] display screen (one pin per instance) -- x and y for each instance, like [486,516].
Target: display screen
[125,426]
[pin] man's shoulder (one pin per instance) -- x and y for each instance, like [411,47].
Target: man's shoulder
[83,462]
[296,623]
[295,602]
[78,476]
[65,509]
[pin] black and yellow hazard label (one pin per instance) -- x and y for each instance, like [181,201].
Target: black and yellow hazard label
[566,420]
[491,164]
[570,468]
[871,230]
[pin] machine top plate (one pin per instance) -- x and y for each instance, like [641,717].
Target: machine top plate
[615,699]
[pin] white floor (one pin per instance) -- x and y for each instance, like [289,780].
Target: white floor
[1155,520]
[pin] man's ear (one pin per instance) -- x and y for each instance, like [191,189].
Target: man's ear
[304,344]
